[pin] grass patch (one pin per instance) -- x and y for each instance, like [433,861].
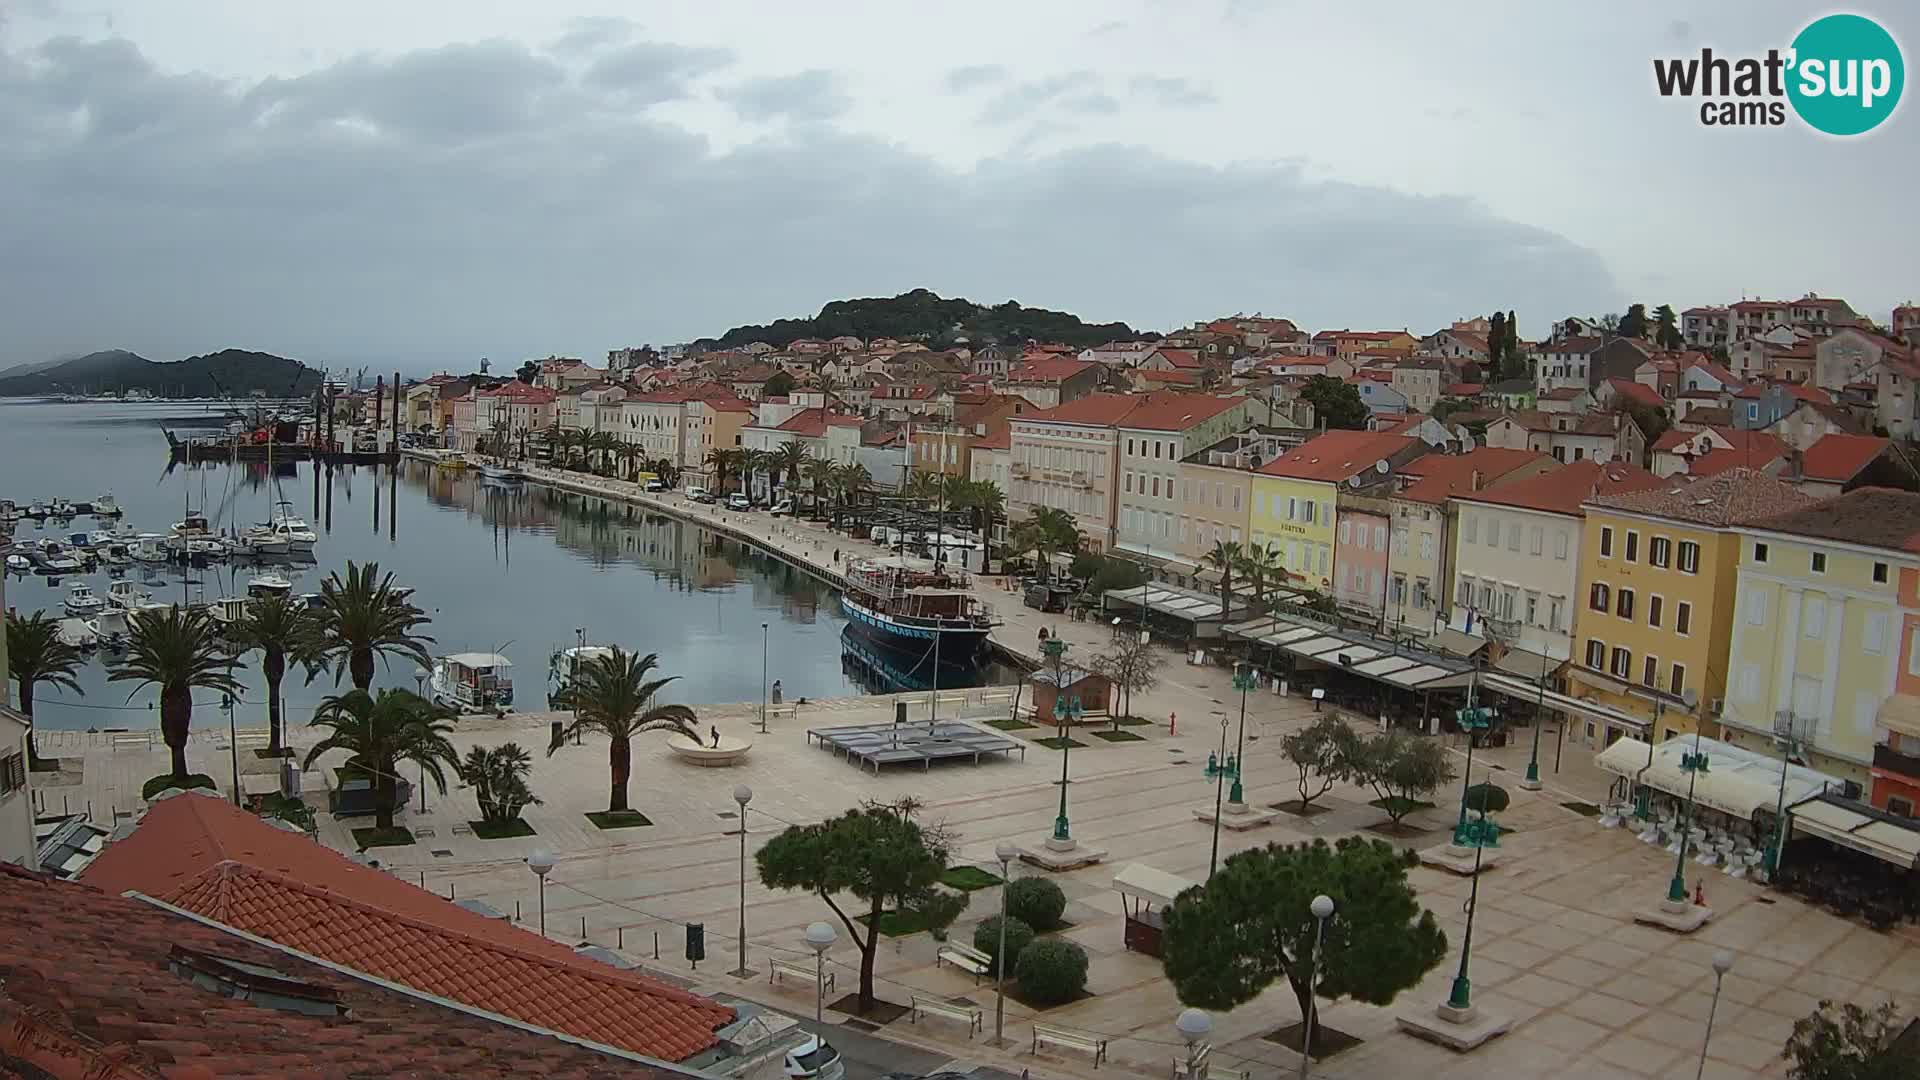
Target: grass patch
[373,836]
[1118,736]
[1293,806]
[1059,742]
[500,830]
[1584,809]
[883,1011]
[1009,725]
[1132,721]
[898,923]
[618,819]
[968,878]
[1400,805]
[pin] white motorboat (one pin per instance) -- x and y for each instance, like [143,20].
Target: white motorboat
[129,596]
[228,611]
[269,583]
[150,548]
[194,524]
[116,534]
[472,682]
[19,564]
[82,600]
[77,633]
[55,559]
[292,528]
[116,554]
[105,505]
[260,540]
[111,628]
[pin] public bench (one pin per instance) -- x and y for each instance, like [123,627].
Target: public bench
[965,957]
[966,1014]
[1069,1039]
[797,970]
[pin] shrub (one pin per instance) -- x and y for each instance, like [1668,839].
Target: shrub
[158,784]
[1487,798]
[1051,971]
[986,938]
[1036,901]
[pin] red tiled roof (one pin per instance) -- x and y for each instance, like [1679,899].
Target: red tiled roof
[1719,460]
[1839,458]
[1181,358]
[1637,392]
[998,437]
[1468,337]
[1337,455]
[1725,377]
[1049,369]
[1874,516]
[1736,494]
[1172,411]
[1442,476]
[1096,410]
[1465,389]
[1182,376]
[201,854]
[87,990]
[1562,490]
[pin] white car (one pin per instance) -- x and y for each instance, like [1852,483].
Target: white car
[737,501]
[656,485]
[699,494]
[815,1059]
[782,508]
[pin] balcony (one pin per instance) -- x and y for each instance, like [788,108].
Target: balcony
[1887,759]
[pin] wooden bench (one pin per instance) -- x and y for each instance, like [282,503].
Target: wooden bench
[1067,1038]
[130,741]
[965,957]
[966,1014]
[801,971]
[252,737]
[781,712]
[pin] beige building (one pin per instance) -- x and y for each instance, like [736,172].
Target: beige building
[1153,439]
[1418,597]
[1419,379]
[1067,458]
[1216,490]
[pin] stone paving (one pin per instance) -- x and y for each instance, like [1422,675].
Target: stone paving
[1555,946]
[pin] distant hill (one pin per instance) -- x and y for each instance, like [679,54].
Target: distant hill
[921,315]
[229,371]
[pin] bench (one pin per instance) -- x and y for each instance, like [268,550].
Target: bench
[1195,1065]
[782,712]
[141,741]
[965,957]
[1069,1039]
[797,970]
[966,1014]
[252,737]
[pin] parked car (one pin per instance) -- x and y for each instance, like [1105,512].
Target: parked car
[737,501]
[699,494]
[781,508]
[815,1059]
[656,485]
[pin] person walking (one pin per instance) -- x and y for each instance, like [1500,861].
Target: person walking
[776,691]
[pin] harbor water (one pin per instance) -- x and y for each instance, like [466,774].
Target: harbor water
[520,570]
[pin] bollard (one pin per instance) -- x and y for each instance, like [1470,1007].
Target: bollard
[620,938]
[656,944]
[516,911]
[583,928]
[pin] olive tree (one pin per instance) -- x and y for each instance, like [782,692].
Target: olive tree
[1324,752]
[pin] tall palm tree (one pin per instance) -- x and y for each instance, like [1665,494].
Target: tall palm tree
[628,455]
[725,460]
[180,651]
[819,476]
[280,628]
[922,487]
[989,507]
[36,655]
[362,616]
[789,460]
[1260,566]
[858,481]
[380,733]
[613,694]
[604,444]
[1225,558]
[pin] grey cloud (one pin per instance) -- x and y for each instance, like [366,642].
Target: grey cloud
[962,79]
[652,71]
[528,214]
[1018,102]
[807,96]
[1171,92]
[593,32]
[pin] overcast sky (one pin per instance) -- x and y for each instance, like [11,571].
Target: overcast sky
[417,183]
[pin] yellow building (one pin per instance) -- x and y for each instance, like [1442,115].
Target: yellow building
[1294,496]
[1658,576]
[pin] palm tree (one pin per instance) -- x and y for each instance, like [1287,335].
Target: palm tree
[179,650]
[819,475]
[858,481]
[989,507]
[628,455]
[36,655]
[724,460]
[790,459]
[613,694]
[752,463]
[281,629]
[604,444]
[1224,557]
[1260,565]
[380,734]
[498,777]
[362,616]
[922,487]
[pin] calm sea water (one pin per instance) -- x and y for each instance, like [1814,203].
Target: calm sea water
[508,570]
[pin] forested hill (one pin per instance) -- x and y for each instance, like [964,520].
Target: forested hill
[227,372]
[921,315]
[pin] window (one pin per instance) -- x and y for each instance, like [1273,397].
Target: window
[1689,557]
[1677,679]
[1555,606]
[1426,545]
[1650,672]
[1633,546]
[1513,538]
[1813,617]
[1560,544]
[13,773]
[1380,538]
[1683,617]
[1600,598]
[1597,654]
[1876,633]
[1750,682]
[1323,560]
[1236,498]
[1606,543]
[1346,531]
[1654,603]
[1759,552]
[1533,608]
[1536,539]
[1156,485]
[1624,604]
[1622,665]
[1660,552]
[1913,653]
[1879,573]
[1493,532]
[1293,507]
[1129,447]
[1126,483]
[1819,562]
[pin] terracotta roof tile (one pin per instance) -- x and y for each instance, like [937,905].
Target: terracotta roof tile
[86,988]
[1737,495]
[1337,455]
[1442,476]
[1637,392]
[1563,490]
[1873,516]
[1840,458]
[1171,411]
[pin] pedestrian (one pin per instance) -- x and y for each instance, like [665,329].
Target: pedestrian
[836,556]
[776,691]
[716,736]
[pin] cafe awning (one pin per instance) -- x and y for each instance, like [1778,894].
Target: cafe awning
[1531,666]
[1167,600]
[1457,643]
[1737,782]
[1144,882]
[1860,827]
[1901,713]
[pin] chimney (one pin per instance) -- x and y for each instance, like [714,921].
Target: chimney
[1473,481]
[1796,464]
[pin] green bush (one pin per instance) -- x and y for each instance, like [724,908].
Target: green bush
[158,784]
[1487,798]
[1036,901]
[1051,971]
[986,938]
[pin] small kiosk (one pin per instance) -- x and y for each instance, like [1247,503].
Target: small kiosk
[1145,893]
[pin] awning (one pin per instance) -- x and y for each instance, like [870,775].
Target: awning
[1531,666]
[1626,757]
[1167,600]
[1737,782]
[1457,643]
[1870,832]
[1531,690]
[1900,713]
[1146,883]
[1390,662]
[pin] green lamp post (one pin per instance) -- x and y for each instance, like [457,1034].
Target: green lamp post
[1694,763]
[1473,719]
[1066,711]
[1532,782]
[1460,997]
[1243,682]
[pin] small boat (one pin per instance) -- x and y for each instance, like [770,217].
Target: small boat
[110,628]
[61,508]
[117,534]
[116,554]
[292,528]
[312,601]
[194,524]
[228,611]
[451,462]
[54,559]
[502,474]
[77,633]
[269,583]
[82,600]
[471,682]
[149,548]
[19,564]
[260,540]
[104,506]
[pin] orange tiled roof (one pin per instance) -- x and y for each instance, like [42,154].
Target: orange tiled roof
[213,859]
[1840,458]
[1563,490]
[1335,456]
[1442,476]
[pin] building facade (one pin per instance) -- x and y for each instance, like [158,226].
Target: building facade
[1295,496]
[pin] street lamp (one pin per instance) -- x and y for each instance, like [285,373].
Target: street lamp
[420,690]
[763,678]
[820,937]
[1322,908]
[541,863]
[1532,782]
[1243,682]
[1694,764]
[1460,998]
[1473,719]
[1220,772]
[743,795]
[1066,710]
[1006,852]
[1784,723]
[1722,963]
[1194,1025]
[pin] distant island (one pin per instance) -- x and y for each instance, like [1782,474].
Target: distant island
[922,315]
[227,373]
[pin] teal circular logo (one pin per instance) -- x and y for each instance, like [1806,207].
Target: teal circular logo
[1846,74]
